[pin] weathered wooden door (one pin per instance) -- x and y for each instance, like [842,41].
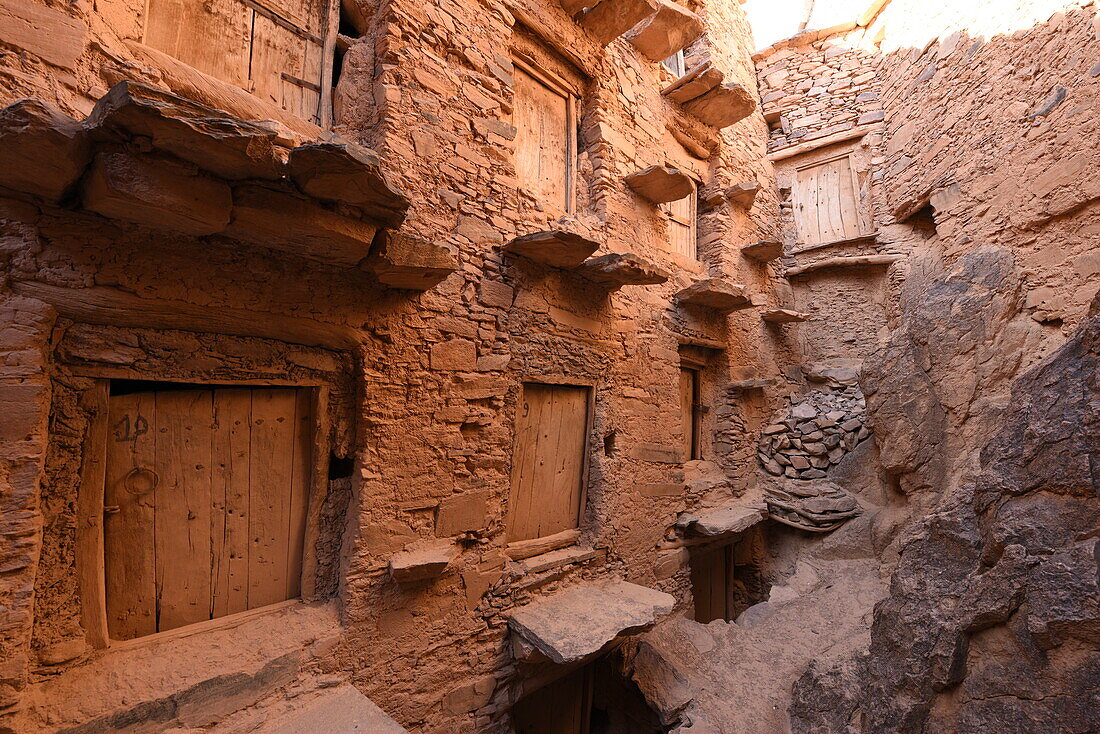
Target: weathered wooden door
[272,48]
[710,582]
[681,225]
[543,117]
[562,707]
[689,415]
[826,202]
[548,461]
[205,496]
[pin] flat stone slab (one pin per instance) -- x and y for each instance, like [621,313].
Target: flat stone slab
[555,247]
[341,710]
[349,173]
[209,138]
[754,384]
[695,83]
[728,520]
[622,268]
[42,150]
[609,19]
[784,316]
[743,194]
[580,621]
[667,31]
[660,184]
[715,293]
[763,251]
[422,560]
[405,262]
[722,106]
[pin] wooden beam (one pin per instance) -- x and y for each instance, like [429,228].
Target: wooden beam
[89,518]
[812,145]
[328,61]
[843,262]
[113,307]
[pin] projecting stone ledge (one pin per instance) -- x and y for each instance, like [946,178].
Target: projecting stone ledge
[722,106]
[580,621]
[349,173]
[695,83]
[763,251]
[715,293]
[422,560]
[409,263]
[340,710]
[42,151]
[718,521]
[554,247]
[667,31]
[660,184]
[609,19]
[784,316]
[622,268]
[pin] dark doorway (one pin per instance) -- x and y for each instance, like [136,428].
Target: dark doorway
[727,578]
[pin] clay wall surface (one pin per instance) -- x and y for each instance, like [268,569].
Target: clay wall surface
[425,388]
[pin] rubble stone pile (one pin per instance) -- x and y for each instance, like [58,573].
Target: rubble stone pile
[814,433]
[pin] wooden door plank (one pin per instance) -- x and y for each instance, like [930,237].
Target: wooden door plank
[521,497]
[89,516]
[130,561]
[551,466]
[572,441]
[277,51]
[184,445]
[687,412]
[229,493]
[849,201]
[271,465]
[833,192]
[541,116]
[213,36]
[301,471]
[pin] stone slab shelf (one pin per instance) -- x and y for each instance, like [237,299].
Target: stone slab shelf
[754,384]
[405,262]
[556,248]
[609,19]
[660,184]
[704,96]
[784,316]
[763,251]
[716,522]
[670,29]
[622,268]
[422,561]
[577,623]
[716,294]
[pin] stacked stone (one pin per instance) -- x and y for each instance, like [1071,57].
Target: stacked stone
[814,433]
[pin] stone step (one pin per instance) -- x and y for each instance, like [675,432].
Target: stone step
[667,31]
[610,19]
[722,106]
[763,251]
[556,248]
[405,262]
[622,268]
[784,316]
[42,151]
[715,293]
[695,83]
[422,560]
[660,184]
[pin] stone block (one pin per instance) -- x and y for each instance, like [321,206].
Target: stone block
[42,151]
[610,19]
[51,34]
[406,262]
[722,106]
[695,83]
[349,173]
[763,251]
[727,520]
[715,293]
[495,294]
[422,560]
[284,221]
[743,194]
[618,269]
[555,247]
[784,316]
[23,407]
[228,147]
[660,184]
[454,355]
[667,31]
[158,193]
[462,513]
[578,622]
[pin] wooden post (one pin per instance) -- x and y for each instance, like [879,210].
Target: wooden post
[89,513]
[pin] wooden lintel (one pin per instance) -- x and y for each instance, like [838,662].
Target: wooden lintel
[812,145]
[843,262]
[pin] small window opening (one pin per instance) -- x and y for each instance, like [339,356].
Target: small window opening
[340,467]
[923,220]
[675,63]
[690,413]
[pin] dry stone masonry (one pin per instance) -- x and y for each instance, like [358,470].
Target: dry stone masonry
[814,433]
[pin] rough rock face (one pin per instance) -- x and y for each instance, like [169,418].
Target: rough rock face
[993,618]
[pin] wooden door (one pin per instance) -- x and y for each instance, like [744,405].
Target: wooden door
[710,582]
[545,140]
[562,707]
[205,496]
[681,225]
[548,461]
[826,198]
[689,415]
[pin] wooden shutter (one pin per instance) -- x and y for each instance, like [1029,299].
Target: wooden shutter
[710,582]
[206,495]
[548,461]
[545,140]
[826,199]
[561,707]
[271,48]
[681,225]
[689,419]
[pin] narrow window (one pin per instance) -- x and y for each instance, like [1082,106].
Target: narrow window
[548,461]
[675,63]
[544,114]
[271,48]
[827,201]
[205,495]
[681,215]
[689,411]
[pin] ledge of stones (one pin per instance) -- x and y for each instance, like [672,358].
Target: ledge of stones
[814,433]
